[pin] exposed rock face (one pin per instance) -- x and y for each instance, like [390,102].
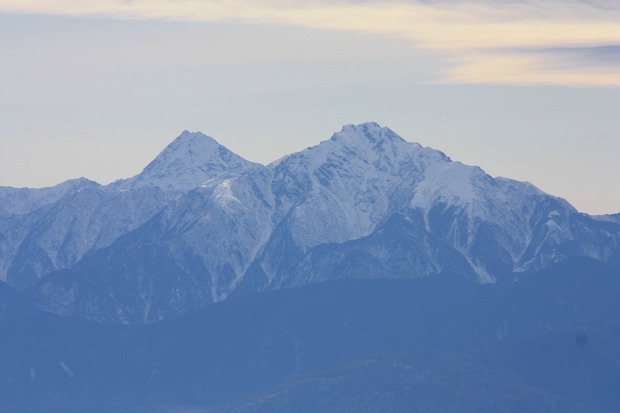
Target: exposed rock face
[200,223]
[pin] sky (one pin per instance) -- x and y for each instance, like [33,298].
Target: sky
[528,90]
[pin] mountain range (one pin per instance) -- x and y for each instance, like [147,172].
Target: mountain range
[364,274]
[200,224]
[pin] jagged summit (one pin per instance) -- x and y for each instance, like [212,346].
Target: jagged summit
[373,142]
[366,143]
[191,159]
[189,141]
[363,204]
[371,132]
[369,137]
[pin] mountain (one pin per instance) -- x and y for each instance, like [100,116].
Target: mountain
[365,274]
[547,343]
[42,230]
[200,224]
[190,160]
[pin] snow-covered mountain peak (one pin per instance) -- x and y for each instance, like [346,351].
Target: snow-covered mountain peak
[369,134]
[189,142]
[192,149]
[191,159]
[369,131]
[366,144]
[372,141]
[345,182]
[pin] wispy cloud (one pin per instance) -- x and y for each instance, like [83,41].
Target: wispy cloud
[515,41]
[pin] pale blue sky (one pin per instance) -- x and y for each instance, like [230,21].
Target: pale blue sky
[98,93]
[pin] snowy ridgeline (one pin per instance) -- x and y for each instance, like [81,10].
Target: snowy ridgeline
[201,223]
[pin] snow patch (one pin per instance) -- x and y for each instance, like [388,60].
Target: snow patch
[66,369]
[224,194]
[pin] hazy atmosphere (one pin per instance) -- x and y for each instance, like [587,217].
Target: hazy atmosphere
[527,90]
[352,206]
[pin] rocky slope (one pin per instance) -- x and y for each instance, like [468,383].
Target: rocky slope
[200,223]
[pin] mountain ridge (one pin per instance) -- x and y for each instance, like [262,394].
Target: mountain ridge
[364,203]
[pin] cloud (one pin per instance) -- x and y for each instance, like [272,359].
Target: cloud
[486,41]
[530,67]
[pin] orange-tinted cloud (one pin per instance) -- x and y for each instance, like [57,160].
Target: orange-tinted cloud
[486,42]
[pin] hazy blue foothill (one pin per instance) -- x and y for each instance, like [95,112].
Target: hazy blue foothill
[429,344]
[364,274]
